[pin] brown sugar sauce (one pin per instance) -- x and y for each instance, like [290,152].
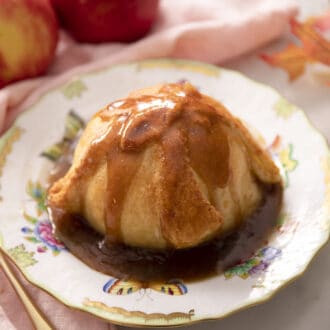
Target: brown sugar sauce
[191,134]
[192,264]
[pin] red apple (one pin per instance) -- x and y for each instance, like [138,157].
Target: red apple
[28,38]
[106,20]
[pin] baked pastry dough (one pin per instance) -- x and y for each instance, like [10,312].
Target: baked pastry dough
[167,167]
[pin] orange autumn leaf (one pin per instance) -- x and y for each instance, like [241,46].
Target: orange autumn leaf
[317,48]
[292,59]
[313,47]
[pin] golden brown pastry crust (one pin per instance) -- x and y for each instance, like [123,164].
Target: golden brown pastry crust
[166,167]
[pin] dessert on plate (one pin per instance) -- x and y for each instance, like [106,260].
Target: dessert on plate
[167,167]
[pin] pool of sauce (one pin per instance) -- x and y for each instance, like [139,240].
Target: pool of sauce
[192,264]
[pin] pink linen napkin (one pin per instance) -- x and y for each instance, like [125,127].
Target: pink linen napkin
[13,315]
[211,30]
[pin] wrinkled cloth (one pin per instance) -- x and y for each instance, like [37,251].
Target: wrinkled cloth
[58,316]
[212,31]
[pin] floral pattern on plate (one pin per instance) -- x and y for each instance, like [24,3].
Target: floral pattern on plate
[22,257]
[285,154]
[256,265]
[41,231]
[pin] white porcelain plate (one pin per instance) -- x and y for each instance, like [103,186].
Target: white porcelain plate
[26,236]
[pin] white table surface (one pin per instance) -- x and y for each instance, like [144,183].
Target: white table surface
[304,304]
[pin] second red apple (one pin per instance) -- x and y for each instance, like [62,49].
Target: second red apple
[106,20]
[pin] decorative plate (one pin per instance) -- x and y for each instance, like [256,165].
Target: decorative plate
[29,149]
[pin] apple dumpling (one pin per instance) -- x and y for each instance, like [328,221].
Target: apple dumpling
[165,168]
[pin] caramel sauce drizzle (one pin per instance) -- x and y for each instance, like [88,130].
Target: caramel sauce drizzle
[191,133]
[188,130]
